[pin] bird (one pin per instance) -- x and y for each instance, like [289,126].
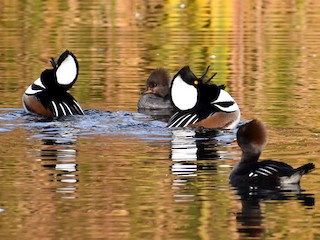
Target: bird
[200,104]
[47,96]
[252,138]
[156,94]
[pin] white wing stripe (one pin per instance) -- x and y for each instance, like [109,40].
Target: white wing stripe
[76,103]
[272,169]
[183,119]
[62,108]
[173,124]
[55,108]
[67,107]
[174,115]
[265,170]
[262,173]
[252,174]
[191,119]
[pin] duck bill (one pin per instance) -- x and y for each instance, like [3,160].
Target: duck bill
[148,91]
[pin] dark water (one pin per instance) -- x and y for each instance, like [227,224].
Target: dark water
[119,174]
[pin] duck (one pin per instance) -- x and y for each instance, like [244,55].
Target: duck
[200,104]
[47,96]
[252,138]
[156,95]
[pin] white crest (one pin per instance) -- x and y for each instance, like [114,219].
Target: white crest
[184,96]
[225,97]
[67,71]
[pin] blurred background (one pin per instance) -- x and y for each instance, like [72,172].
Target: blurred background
[80,178]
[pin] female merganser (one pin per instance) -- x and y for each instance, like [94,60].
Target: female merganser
[156,95]
[199,103]
[252,138]
[48,95]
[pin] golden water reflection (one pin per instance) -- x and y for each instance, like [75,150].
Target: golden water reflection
[103,185]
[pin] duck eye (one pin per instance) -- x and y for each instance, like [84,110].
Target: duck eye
[195,82]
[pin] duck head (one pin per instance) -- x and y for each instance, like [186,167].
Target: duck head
[187,90]
[158,83]
[61,78]
[252,138]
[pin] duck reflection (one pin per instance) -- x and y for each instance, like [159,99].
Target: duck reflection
[58,154]
[250,218]
[194,150]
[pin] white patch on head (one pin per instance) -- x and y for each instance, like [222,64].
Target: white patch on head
[67,71]
[225,97]
[184,96]
[31,91]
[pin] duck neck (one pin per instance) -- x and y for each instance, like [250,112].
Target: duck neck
[249,157]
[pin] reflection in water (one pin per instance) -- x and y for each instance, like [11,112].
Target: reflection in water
[266,52]
[250,218]
[58,154]
[158,114]
[192,150]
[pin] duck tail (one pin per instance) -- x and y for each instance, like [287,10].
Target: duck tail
[306,168]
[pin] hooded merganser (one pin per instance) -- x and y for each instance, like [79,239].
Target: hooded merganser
[199,103]
[156,95]
[252,138]
[48,95]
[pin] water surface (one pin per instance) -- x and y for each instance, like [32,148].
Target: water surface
[119,174]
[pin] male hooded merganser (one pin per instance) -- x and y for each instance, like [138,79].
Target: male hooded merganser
[156,95]
[199,103]
[252,137]
[48,95]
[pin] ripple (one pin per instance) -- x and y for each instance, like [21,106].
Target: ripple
[95,122]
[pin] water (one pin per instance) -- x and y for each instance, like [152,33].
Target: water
[118,174]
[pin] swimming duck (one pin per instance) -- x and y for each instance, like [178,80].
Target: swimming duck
[252,138]
[156,95]
[48,96]
[199,103]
